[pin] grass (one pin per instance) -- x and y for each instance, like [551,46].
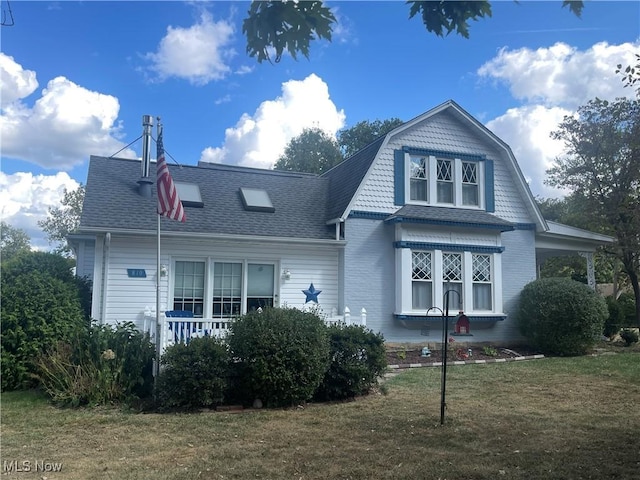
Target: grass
[561,418]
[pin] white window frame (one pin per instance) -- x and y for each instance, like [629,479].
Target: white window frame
[404,287]
[431,168]
[209,280]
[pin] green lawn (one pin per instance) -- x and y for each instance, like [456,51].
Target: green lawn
[556,418]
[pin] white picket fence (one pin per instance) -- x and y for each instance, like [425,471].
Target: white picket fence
[183,329]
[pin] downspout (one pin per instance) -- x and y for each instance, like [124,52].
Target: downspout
[105,278]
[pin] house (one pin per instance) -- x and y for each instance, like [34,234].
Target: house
[437,209]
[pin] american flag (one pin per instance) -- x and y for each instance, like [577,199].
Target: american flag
[169,203]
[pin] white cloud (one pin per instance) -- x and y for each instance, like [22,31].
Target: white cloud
[562,74]
[527,131]
[15,82]
[198,53]
[258,140]
[551,83]
[26,198]
[65,125]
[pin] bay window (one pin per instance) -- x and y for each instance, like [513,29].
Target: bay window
[482,288]
[421,285]
[472,279]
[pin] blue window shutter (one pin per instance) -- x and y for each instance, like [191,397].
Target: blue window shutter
[488,186]
[398,177]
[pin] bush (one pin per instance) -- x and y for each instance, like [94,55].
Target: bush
[105,364]
[622,313]
[38,311]
[615,320]
[358,359]
[561,316]
[280,356]
[193,375]
[629,336]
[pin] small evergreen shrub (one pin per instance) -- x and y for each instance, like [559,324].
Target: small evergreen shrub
[193,375]
[279,356]
[104,364]
[627,303]
[358,359]
[561,316]
[629,336]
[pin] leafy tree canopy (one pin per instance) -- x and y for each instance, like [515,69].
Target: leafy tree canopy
[290,26]
[64,220]
[313,151]
[13,241]
[601,166]
[363,133]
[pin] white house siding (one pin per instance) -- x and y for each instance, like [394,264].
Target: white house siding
[127,299]
[443,132]
[370,273]
[370,279]
[519,268]
[85,259]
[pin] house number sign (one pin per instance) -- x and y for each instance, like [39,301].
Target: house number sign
[136,273]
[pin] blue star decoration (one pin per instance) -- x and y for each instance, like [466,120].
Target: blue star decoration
[312,294]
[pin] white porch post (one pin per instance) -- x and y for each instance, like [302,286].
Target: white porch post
[591,276]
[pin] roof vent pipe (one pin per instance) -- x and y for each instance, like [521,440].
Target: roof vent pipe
[145,181]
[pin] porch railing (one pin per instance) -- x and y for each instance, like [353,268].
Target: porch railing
[183,329]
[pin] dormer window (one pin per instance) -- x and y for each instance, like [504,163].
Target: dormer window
[419,183]
[444,179]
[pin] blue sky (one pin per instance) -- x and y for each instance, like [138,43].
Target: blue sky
[78,76]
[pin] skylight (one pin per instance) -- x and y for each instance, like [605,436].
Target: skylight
[189,194]
[256,200]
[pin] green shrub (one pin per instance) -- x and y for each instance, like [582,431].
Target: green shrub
[629,336]
[561,316]
[358,359]
[280,356]
[104,364]
[38,310]
[627,303]
[615,320]
[193,375]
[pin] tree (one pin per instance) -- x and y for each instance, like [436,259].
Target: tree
[631,75]
[312,151]
[64,220]
[601,166]
[13,241]
[292,25]
[363,133]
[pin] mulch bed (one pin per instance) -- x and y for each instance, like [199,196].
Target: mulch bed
[404,358]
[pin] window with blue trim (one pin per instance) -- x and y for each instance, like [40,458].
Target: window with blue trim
[435,180]
[470,277]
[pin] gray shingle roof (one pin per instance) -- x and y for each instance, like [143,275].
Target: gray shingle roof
[449,217]
[112,201]
[345,178]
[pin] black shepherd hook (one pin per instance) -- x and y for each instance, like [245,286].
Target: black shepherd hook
[4,16]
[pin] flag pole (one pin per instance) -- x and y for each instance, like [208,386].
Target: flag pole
[158,318]
[158,322]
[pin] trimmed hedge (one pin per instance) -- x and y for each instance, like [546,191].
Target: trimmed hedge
[279,356]
[193,375]
[561,316]
[358,359]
